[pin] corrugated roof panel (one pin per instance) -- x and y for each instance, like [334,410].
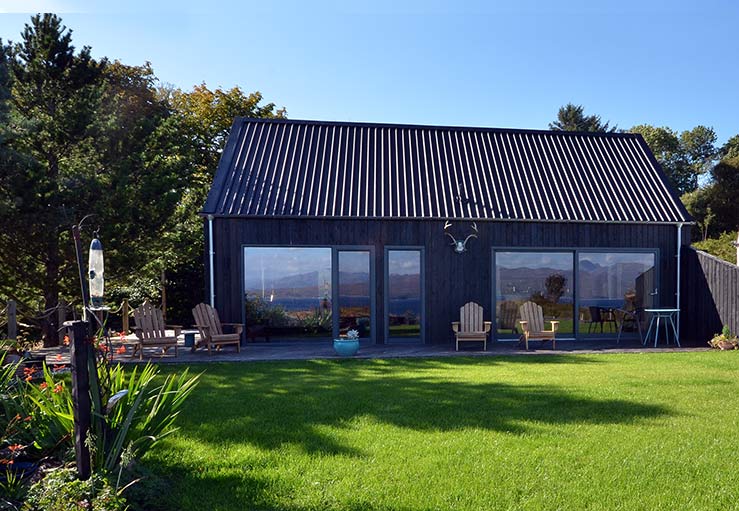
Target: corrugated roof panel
[350,170]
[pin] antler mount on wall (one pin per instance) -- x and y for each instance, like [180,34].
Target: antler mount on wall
[460,246]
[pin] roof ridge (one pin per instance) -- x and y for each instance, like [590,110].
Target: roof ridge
[315,122]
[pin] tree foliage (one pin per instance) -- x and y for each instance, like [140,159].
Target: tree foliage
[730,149]
[721,246]
[55,92]
[80,137]
[685,156]
[714,206]
[572,117]
[201,121]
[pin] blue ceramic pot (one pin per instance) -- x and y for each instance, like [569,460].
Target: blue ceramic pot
[346,347]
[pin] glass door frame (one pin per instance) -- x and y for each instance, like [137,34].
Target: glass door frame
[335,249]
[576,251]
[386,305]
[580,336]
[335,309]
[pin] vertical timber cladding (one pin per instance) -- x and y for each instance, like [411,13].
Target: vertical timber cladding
[451,279]
[711,293]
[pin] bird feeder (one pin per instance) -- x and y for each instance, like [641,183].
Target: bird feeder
[97,279]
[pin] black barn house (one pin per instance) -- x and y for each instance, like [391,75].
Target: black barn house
[314,228]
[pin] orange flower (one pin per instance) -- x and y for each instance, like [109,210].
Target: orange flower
[15,447]
[103,348]
[58,357]
[43,386]
[56,368]
[27,419]
[121,350]
[66,340]
[58,388]
[17,417]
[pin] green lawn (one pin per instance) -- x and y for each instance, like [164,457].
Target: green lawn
[619,431]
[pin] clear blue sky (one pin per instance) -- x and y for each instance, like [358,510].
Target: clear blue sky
[505,64]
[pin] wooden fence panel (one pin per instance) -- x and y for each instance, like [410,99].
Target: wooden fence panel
[709,296]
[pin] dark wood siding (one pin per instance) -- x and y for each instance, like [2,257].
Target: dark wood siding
[709,296]
[451,279]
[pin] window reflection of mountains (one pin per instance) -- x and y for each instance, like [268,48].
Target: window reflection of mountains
[591,276]
[311,284]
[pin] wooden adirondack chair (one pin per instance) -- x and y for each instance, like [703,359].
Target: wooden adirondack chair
[211,329]
[150,330]
[507,316]
[471,326]
[532,324]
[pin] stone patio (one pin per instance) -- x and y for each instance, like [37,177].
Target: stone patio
[323,349]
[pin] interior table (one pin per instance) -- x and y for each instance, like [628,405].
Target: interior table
[667,318]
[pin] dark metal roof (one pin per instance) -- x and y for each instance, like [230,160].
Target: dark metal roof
[351,170]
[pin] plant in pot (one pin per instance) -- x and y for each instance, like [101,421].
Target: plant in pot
[347,346]
[724,340]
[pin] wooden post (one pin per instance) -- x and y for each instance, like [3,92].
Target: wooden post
[80,354]
[12,321]
[164,297]
[83,279]
[124,313]
[61,317]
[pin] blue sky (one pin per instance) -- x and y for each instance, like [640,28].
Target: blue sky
[505,64]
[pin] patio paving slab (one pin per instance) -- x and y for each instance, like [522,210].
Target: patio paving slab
[307,350]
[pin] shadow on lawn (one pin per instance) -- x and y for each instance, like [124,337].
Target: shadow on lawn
[273,404]
[232,492]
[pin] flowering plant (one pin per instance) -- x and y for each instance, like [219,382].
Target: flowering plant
[352,335]
[724,340]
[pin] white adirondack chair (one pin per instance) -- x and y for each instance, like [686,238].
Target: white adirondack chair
[532,324]
[471,326]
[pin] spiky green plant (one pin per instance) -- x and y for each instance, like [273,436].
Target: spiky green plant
[144,415]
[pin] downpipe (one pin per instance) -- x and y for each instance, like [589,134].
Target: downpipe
[211,254]
[679,250]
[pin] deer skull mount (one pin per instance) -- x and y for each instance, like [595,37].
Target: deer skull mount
[459,245]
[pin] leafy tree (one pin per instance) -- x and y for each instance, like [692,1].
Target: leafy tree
[555,286]
[730,149]
[572,117]
[714,205]
[54,96]
[723,192]
[683,157]
[720,247]
[199,125]
[147,175]
[78,137]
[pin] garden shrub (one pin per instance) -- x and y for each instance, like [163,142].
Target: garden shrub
[60,490]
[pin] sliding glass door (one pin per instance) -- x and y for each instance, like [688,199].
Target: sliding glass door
[593,294]
[612,285]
